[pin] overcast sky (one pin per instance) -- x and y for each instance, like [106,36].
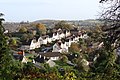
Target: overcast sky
[31,10]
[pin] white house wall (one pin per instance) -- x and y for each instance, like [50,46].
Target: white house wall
[49,40]
[58,36]
[55,48]
[67,33]
[45,41]
[32,45]
[54,58]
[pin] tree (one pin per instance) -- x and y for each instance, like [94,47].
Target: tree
[74,48]
[83,64]
[69,76]
[63,25]
[23,29]
[26,37]
[5,56]
[111,16]
[9,68]
[13,42]
[41,29]
[106,66]
[64,58]
[112,10]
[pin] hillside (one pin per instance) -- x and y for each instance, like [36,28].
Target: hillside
[12,26]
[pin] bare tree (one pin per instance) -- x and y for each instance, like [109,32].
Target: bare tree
[112,11]
[111,15]
[1,26]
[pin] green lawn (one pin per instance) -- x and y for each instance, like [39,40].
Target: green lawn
[63,65]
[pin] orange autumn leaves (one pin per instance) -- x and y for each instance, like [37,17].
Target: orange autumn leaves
[41,28]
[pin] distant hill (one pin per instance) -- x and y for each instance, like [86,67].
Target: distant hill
[81,23]
[12,26]
[48,23]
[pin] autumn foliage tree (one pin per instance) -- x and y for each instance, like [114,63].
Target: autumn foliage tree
[41,29]
[74,48]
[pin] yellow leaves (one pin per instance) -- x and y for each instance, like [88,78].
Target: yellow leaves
[41,28]
[70,76]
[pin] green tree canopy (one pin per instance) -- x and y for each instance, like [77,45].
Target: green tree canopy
[23,29]
[5,56]
[64,58]
[63,25]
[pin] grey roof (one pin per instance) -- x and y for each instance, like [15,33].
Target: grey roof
[50,54]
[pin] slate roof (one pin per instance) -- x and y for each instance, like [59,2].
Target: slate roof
[44,37]
[18,57]
[50,34]
[27,42]
[50,54]
[38,59]
[76,33]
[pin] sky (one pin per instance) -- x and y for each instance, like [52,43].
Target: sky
[31,10]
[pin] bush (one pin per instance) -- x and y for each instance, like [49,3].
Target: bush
[64,58]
